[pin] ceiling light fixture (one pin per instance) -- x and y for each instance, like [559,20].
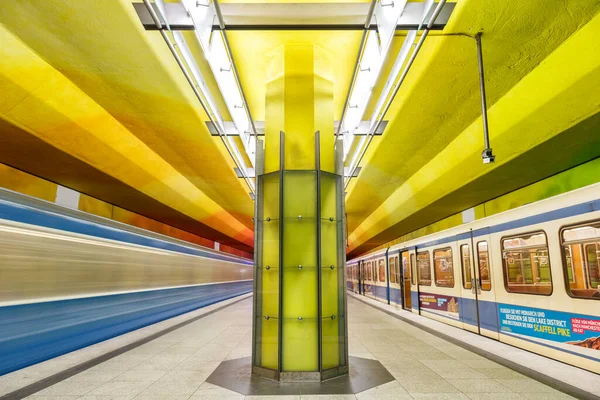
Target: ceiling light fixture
[214,46]
[374,49]
[391,87]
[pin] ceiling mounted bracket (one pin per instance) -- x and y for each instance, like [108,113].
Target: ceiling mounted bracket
[487,156]
[293,16]
[361,130]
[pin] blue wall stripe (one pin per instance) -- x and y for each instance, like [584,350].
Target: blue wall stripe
[29,215]
[32,333]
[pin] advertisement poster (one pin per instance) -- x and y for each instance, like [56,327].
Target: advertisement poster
[446,306]
[570,332]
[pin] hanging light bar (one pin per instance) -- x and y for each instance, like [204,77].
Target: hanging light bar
[214,46]
[194,77]
[373,53]
[385,97]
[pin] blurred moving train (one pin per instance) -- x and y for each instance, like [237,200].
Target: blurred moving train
[69,279]
[529,277]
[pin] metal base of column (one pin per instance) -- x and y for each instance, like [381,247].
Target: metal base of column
[300,377]
[238,376]
[265,373]
[334,372]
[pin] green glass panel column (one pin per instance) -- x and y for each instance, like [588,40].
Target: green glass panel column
[300,297]
[299,331]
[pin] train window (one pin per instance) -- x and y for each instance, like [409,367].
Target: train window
[424,267]
[484,266]
[405,270]
[581,251]
[443,269]
[382,270]
[526,264]
[465,260]
[392,270]
[397,269]
[369,271]
[413,269]
[374,269]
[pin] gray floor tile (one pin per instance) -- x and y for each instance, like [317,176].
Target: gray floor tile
[526,385]
[439,396]
[477,364]
[547,396]
[478,385]
[413,373]
[419,385]
[67,388]
[495,396]
[388,390]
[186,376]
[43,397]
[91,375]
[500,373]
[120,389]
[140,376]
[430,355]
[161,388]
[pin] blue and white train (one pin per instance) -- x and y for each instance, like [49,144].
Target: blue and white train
[529,277]
[70,279]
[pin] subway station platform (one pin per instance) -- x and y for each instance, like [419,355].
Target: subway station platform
[336,199]
[177,359]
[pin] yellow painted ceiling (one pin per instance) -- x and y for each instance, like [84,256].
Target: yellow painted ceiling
[251,51]
[84,76]
[439,103]
[87,78]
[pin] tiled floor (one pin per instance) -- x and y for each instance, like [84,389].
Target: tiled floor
[176,365]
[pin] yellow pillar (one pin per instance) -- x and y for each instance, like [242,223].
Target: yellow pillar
[299,102]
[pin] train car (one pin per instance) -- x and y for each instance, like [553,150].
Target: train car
[384,275]
[373,281]
[529,277]
[71,279]
[352,276]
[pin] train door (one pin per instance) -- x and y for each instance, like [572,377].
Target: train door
[469,313]
[478,309]
[405,280]
[414,287]
[368,279]
[361,275]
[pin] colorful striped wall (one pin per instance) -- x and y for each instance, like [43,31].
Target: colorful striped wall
[571,179]
[22,182]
